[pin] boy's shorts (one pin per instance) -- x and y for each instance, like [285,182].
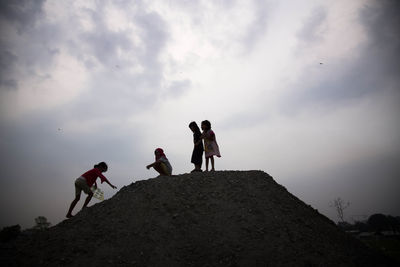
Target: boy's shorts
[81,185]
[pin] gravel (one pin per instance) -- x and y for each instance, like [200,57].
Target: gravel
[223,218]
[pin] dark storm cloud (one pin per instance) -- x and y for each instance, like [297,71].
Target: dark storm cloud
[100,43]
[21,21]
[22,15]
[382,23]
[97,46]
[105,44]
[39,51]
[21,12]
[129,92]
[7,65]
[374,70]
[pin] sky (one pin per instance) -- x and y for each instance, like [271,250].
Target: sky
[307,91]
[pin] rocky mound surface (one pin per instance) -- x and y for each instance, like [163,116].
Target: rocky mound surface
[227,218]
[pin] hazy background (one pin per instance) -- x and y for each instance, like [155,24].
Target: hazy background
[308,91]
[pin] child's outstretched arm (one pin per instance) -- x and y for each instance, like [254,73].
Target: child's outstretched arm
[152,164]
[112,186]
[104,179]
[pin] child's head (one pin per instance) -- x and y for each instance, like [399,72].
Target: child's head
[159,152]
[205,125]
[102,166]
[193,126]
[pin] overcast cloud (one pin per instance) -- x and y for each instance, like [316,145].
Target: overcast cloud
[307,91]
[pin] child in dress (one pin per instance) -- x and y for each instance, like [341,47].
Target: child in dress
[197,155]
[161,165]
[210,144]
[85,182]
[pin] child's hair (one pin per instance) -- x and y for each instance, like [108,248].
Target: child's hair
[159,150]
[102,165]
[207,124]
[193,125]
[160,153]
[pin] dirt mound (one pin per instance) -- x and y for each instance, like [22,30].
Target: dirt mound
[227,218]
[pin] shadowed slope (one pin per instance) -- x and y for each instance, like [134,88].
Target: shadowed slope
[227,218]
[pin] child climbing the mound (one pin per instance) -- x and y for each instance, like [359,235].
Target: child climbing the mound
[210,144]
[85,182]
[161,165]
[197,155]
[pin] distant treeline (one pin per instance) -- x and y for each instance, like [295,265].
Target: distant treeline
[376,223]
[11,232]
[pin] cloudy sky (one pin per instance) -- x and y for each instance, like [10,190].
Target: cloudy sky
[307,91]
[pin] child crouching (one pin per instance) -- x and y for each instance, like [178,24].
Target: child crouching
[161,165]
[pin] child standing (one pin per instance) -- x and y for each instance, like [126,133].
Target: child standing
[210,144]
[85,182]
[161,165]
[197,155]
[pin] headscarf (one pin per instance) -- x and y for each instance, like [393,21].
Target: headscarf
[160,152]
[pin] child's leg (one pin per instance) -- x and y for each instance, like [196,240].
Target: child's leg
[197,168]
[161,169]
[207,159]
[72,206]
[89,197]
[78,191]
[212,163]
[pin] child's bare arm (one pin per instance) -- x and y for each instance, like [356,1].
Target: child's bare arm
[152,164]
[112,186]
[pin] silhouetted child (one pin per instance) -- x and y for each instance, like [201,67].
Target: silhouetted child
[197,155]
[161,165]
[85,182]
[211,148]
